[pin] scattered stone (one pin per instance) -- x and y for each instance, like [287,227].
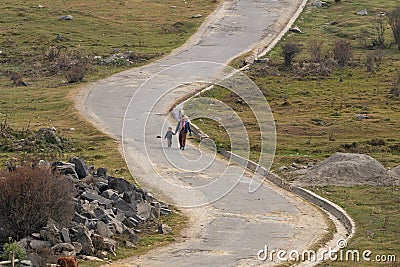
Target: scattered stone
[196,16]
[319,3]
[362,116]
[362,12]
[165,211]
[41,6]
[102,172]
[164,229]
[65,235]
[26,263]
[64,249]
[283,168]
[66,17]
[295,29]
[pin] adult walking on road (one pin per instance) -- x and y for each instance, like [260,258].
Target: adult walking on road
[183,127]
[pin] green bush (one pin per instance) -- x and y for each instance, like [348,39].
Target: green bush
[19,252]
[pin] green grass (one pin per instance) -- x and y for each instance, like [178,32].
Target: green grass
[316,115]
[99,28]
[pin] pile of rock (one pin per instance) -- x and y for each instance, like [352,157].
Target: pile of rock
[105,207]
[347,169]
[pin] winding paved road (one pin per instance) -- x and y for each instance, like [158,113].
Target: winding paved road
[228,225]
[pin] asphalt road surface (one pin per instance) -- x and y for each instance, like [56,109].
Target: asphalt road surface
[228,224]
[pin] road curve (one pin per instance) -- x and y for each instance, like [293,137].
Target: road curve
[228,225]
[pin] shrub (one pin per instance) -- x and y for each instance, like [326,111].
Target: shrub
[394,21]
[342,52]
[289,51]
[29,196]
[395,91]
[316,53]
[19,252]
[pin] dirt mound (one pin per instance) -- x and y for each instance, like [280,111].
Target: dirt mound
[346,169]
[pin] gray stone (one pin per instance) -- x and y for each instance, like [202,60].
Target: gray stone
[92,195]
[123,206]
[103,230]
[102,172]
[196,16]
[66,17]
[129,244]
[319,3]
[64,249]
[65,235]
[362,12]
[165,211]
[110,194]
[83,237]
[79,218]
[102,254]
[26,263]
[156,210]
[295,29]
[39,244]
[120,185]
[65,168]
[164,229]
[132,237]
[77,247]
[143,210]
[130,222]
[50,232]
[98,242]
[80,167]
[110,245]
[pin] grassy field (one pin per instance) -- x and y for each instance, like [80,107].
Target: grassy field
[317,115]
[99,28]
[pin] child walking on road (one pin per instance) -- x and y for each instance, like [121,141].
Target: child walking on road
[169,135]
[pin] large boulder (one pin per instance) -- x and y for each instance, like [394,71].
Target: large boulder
[80,167]
[120,185]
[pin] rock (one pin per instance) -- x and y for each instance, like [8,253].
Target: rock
[77,247]
[143,210]
[319,3]
[41,6]
[196,16]
[25,263]
[102,172]
[39,244]
[83,237]
[65,235]
[111,245]
[130,222]
[79,218]
[123,206]
[92,195]
[164,229]
[283,168]
[298,166]
[103,230]
[80,167]
[129,244]
[120,185]
[156,210]
[102,254]
[91,258]
[110,194]
[362,116]
[50,232]
[132,237]
[362,12]
[295,29]
[64,249]
[165,211]
[98,242]
[66,17]
[64,168]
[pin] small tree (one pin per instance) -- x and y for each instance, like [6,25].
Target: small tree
[342,52]
[30,196]
[316,53]
[289,51]
[394,21]
[380,28]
